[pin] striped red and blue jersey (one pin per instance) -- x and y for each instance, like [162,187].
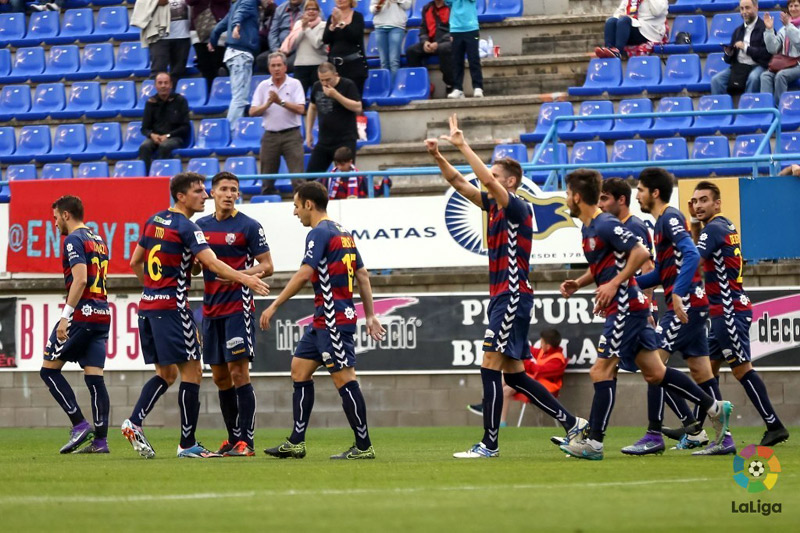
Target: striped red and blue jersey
[82,247]
[721,248]
[170,241]
[237,241]
[669,230]
[607,245]
[639,229]
[509,239]
[331,252]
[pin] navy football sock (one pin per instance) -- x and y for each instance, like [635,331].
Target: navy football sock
[757,392]
[356,411]
[246,399]
[151,392]
[682,385]
[655,407]
[679,406]
[62,393]
[230,413]
[100,404]
[189,402]
[302,404]
[492,406]
[602,405]
[540,397]
[710,387]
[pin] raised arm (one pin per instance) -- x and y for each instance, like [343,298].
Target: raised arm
[452,176]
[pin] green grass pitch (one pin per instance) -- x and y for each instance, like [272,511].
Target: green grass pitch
[413,485]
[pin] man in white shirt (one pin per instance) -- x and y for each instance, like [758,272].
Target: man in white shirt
[747,53]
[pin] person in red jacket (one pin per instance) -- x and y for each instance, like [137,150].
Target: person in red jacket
[547,367]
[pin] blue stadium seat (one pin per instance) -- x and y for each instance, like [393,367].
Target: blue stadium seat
[242,166]
[589,129]
[15,102]
[119,96]
[97,60]
[72,4]
[498,10]
[746,146]
[546,158]
[626,128]
[625,152]
[326,7]
[415,13]
[373,129]
[789,143]
[83,96]
[12,28]
[642,72]
[8,142]
[709,147]
[5,194]
[56,171]
[255,81]
[5,63]
[516,151]
[146,90]
[28,62]
[267,198]
[588,153]
[21,172]
[48,98]
[191,61]
[110,2]
[684,6]
[246,137]
[378,85]
[97,169]
[205,166]
[33,141]
[718,5]
[666,125]
[710,125]
[43,27]
[672,149]
[62,61]
[720,32]
[78,25]
[409,84]
[680,71]
[112,23]
[412,38]
[789,107]
[129,169]
[165,167]
[69,140]
[213,133]
[195,90]
[371,50]
[219,99]
[132,60]
[600,76]
[547,114]
[105,140]
[714,63]
[132,139]
[752,123]
[694,25]
[363,8]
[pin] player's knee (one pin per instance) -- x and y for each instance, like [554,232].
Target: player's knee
[600,373]
[652,378]
[740,370]
[168,374]
[45,372]
[223,382]
[240,376]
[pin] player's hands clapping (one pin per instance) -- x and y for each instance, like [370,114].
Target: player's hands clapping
[456,137]
[374,328]
[266,317]
[568,288]
[680,310]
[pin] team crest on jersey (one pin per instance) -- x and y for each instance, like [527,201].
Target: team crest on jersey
[201,239]
[230,238]
[468,226]
[69,247]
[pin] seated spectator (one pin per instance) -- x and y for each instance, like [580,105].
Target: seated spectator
[634,23]
[205,15]
[171,51]
[353,186]
[390,17]
[282,23]
[747,55]
[787,44]
[305,42]
[465,32]
[12,6]
[434,39]
[344,34]
[165,123]
[547,367]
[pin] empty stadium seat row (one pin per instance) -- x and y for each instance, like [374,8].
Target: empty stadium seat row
[78,25]
[690,6]
[409,84]
[711,38]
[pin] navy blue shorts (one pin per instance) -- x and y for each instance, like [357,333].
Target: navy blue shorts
[228,339]
[509,322]
[168,337]
[729,338]
[85,346]
[624,336]
[334,350]
[691,339]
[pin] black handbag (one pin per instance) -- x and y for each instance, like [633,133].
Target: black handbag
[738,80]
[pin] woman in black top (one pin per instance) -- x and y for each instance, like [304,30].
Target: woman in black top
[344,33]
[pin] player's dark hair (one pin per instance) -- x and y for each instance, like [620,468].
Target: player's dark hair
[314,191]
[70,204]
[587,183]
[182,182]
[618,187]
[708,186]
[510,167]
[551,336]
[343,154]
[658,179]
[219,176]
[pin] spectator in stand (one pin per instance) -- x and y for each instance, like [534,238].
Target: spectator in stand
[786,43]
[747,55]
[165,123]
[12,6]
[635,22]
[305,42]
[344,33]
[152,19]
[547,366]
[172,50]
[241,25]
[337,100]
[205,15]
[281,102]
[47,5]
[266,11]
[434,39]
[282,23]
[390,17]
[465,32]
[353,186]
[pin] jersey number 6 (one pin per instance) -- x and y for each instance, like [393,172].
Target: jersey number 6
[154,263]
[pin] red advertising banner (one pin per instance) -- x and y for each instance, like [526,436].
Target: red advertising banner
[116,209]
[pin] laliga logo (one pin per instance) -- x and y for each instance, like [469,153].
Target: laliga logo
[468,226]
[756,468]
